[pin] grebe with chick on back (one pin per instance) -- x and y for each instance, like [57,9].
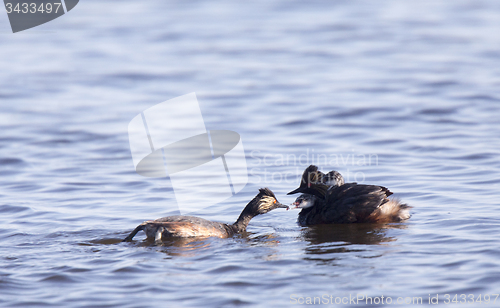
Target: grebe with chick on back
[326,199]
[191,226]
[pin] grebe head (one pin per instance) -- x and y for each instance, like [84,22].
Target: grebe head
[265,202]
[304,201]
[333,178]
[312,183]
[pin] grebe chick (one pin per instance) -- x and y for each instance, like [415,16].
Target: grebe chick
[190,226]
[345,203]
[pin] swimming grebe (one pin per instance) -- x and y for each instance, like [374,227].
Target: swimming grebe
[326,199]
[190,226]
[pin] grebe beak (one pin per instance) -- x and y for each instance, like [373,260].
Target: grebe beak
[295,205]
[281,205]
[300,189]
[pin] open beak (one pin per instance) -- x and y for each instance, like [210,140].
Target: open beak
[295,205]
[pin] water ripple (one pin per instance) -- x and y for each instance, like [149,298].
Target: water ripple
[413,85]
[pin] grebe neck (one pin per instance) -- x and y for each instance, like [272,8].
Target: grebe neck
[241,224]
[246,215]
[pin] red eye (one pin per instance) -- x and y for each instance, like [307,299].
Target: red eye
[274,201]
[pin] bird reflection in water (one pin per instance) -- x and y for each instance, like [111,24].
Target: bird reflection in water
[195,246]
[182,247]
[337,238]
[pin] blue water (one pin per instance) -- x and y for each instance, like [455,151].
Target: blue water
[400,94]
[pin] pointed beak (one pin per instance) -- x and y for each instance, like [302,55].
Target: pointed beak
[281,205]
[300,189]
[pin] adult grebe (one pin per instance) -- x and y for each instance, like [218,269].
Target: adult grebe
[190,226]
[327,200]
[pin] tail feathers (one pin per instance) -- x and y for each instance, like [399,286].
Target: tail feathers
[391,211]
[404,212]
[133,233]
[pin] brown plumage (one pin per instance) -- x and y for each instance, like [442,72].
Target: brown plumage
[327,201]
[191,226]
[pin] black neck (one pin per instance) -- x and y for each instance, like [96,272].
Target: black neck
[246,215]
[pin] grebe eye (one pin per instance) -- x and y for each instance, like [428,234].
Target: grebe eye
[274,201]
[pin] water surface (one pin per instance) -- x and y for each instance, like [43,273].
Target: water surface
[403,95]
